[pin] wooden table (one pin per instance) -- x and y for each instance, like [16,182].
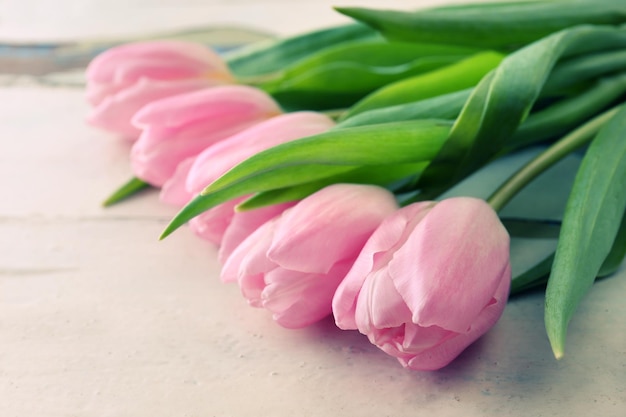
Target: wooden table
[98,318]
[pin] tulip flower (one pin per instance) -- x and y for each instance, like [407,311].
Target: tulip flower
[193,175]
[430,281]
[180,127]
[123,79]
[292,264]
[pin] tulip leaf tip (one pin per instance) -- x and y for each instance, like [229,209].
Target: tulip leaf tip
[170,228]
[128,189]
[557,343]
[558,350]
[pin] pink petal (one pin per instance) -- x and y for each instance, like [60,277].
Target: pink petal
[156,59]
[244,223]
[212,224]
[158,151]
[221,157]
[174,191]
[249,257]
[442,354]
[306,238]
[221,106]
[375,255]
[115,112]
[379,305]
[298,299]
[412,341]
[451,264]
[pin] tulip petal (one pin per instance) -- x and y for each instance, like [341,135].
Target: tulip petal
[379,305]
[299,299]
[212,224]
[156,59]
[389,235]
[115,111]
[221,105]
[158,151]
[442,354]
[219,158]
[447,271]
[243,258]
[244,223]
[307,237]
[174,191]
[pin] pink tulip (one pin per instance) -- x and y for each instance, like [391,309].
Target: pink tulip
[198,172]
[193,176]
[431,280]
[123,79]
[180,127]
[292,265]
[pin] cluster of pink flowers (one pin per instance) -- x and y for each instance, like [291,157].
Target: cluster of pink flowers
[422,282]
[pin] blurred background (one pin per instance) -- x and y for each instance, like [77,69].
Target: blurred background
[51,41]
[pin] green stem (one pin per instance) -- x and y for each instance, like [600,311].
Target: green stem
[548,158]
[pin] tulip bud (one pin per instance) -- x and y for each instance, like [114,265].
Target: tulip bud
[180,127]
[193,176]
[123,79]
[430,281]
[292,264]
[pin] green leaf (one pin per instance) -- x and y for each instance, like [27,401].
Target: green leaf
[458,76]
[130,188]
[535,277]
[384,175]
[618,251]
[321,156]
[503,100]
[397,143]
[590,225]
[272,56]
[374,53]
[501,26]
[566,114]
[583,68]
[532,228]
[338,77]
[445,106]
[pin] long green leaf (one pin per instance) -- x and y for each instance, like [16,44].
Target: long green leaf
[272,56]
[584,68]
[458,76]
[617,254]
[592,218]
[445,106]
[502,27]
[504,98]
[338,76]
[341,84]
[535,277]
[321,156]
[399,143]
[128,189]
[384,175]
[566,114]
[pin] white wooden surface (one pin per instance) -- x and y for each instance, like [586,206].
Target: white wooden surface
[98,318]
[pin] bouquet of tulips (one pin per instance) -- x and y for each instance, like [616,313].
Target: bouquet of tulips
[317,163]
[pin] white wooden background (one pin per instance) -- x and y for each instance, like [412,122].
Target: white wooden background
[98,318]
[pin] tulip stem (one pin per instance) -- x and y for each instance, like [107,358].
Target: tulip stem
[560,149]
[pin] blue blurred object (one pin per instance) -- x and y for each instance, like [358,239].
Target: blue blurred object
[41,59]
